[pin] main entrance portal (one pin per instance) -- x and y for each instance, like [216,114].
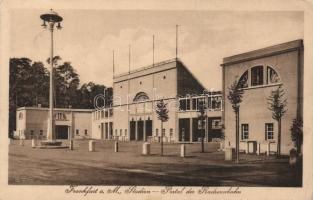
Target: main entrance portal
[61,132]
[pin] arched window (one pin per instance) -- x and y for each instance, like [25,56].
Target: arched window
[141,96]
[243,81]
[257,75]
[272,76]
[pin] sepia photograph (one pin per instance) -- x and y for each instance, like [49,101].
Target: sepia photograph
[190,100]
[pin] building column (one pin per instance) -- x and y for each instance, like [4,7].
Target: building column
[136,130]
[144,130]
[190,129]
[206,134]
[69,137]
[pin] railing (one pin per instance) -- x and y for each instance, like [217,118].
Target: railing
[191,103]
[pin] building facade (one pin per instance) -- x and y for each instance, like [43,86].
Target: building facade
[135,95]
[258,73]
[31,122]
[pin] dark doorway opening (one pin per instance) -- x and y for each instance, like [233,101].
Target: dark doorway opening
[184,130]
[148,128]
[132,125]
[61,132]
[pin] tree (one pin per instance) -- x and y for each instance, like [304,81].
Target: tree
[66,83]
[28,86]
[297,133]
[235,94]
[277,104]
[162,113]
[202,119]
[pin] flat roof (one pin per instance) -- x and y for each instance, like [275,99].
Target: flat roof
[264,52]
[157,67]
[58,109]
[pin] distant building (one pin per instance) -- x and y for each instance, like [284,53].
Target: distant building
[135,94]
[259,72]
[31,122]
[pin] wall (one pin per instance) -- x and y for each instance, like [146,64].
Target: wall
[254,108]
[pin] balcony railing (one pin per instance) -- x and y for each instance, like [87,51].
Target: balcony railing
[191,103]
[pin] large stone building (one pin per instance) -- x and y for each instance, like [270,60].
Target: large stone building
[135,94]
[31,122]
[259,72]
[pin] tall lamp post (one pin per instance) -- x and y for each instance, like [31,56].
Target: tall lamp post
[50,19]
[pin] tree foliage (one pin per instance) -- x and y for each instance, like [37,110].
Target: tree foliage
[29,86]
[162,111]
[296,130]
[277,103]
[235,95]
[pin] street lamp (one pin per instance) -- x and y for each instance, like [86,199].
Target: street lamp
[50,19]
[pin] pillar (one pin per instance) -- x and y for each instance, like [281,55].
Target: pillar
[34,143]
[144,131]
[71,145]
[190,129]
[146,148]
[268,151]
[136,130]
[258,151]
[91,145]
[182,150]
[116,146]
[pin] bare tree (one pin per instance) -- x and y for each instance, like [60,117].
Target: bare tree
[235,97]
[162,113]
[277,104]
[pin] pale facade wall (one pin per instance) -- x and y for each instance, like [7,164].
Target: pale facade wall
[254,107]
[35,121]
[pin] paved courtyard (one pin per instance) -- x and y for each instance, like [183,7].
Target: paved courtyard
[129,167]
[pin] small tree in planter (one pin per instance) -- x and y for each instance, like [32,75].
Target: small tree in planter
[235,97]
[162,113]
[277,104]
[297,133]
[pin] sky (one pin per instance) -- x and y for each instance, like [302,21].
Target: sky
[88,38]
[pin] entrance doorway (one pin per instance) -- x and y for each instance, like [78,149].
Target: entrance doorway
[132,125]
[61,132]
[184,130]
[148,128]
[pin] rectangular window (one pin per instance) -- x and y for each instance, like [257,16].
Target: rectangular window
[32,132]
[194,104]
[41,132]
[115,132]
[86,132]
[156,132]
[171,132]
[77,132]
[163,132]
[216,124]
[184,104]
[257,76]
[125,132]
[106,113]
[244,131]
[121,132]
[269,131]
